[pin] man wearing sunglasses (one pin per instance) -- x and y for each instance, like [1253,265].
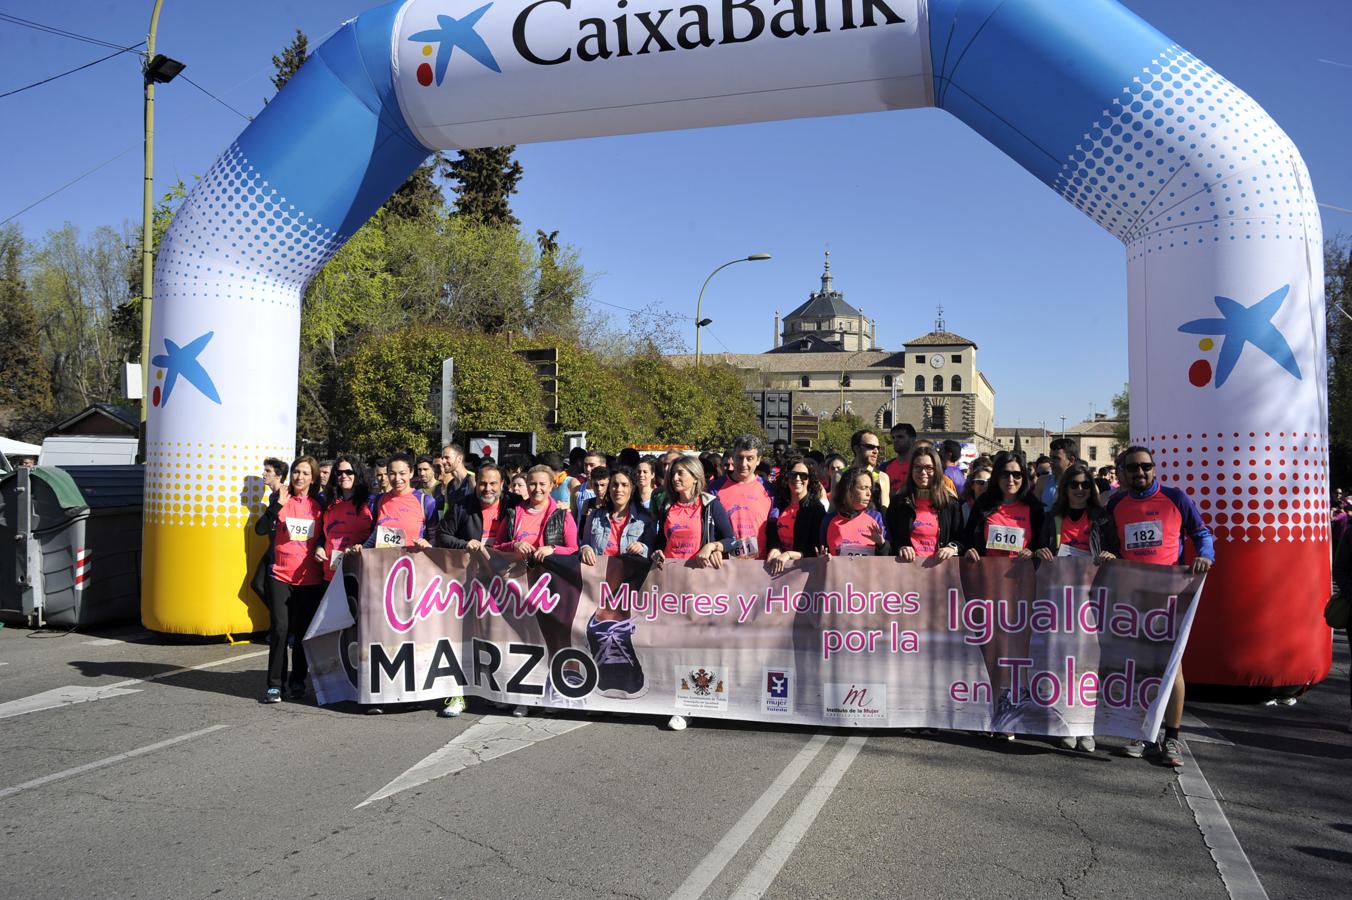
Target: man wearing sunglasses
[867,449]
[1147,523]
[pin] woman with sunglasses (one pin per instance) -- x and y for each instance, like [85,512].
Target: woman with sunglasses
[1005,521]
[925,519]
[978,479]
[856,528]
[1075,526]
[796,519]
[349,513]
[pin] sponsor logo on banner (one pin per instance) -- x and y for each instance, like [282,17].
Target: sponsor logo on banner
[855,700]
[777,691]
[702,687]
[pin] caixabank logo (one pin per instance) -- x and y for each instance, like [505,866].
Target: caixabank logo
[542,38]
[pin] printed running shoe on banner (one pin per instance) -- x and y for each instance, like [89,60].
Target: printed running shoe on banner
[612,646]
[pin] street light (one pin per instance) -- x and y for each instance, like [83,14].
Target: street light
[1063,426]
[701,322]
[159,69]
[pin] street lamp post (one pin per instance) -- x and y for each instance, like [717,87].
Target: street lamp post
[700,321]
[1063,426]
[157,69]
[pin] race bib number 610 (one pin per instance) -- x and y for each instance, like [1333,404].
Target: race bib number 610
[1004,537]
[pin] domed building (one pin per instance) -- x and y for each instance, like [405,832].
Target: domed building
[825,358]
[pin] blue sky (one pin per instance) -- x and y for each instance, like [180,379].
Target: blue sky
[917,210]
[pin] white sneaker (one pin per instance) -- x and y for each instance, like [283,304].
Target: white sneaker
[1134,749]
[1068,743]
[453,708]
[1086,743]
[677,723]
[520,712]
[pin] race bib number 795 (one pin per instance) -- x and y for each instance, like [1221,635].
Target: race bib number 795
[300,529]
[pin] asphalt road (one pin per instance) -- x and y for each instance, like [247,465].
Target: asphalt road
[124,776]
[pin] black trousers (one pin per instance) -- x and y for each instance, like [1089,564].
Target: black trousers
[292,607]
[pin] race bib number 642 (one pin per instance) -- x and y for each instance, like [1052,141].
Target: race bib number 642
[389,537]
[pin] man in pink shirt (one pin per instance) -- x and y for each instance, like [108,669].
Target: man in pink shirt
[747,499]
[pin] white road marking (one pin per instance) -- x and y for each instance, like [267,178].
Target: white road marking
[489,738]
[100,642]
[712,865]
[103,763]
[62,696]
[763,874]
[79,693]
[1237,873]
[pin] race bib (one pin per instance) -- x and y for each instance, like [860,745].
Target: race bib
[1004,537]
[389,537]
[1144,535]
[745,548]
[1067,550]
[857,550]
[300,529]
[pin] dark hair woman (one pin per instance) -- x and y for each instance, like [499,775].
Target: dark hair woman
[617,523]
[855,528]
[796,518]
[925,519]
[1075,526]
[295,583]
[647,478]
[1007,520]
[978,480]
[349,512]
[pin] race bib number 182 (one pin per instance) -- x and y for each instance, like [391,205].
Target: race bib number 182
[1144,535]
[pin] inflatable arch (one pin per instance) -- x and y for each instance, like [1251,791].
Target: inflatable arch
[1209,196]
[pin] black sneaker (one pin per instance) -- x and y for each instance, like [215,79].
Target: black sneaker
[296,691]
[619,674]
[273,695]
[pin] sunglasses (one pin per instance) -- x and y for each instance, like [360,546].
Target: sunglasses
[799,476]
[1140,467]
[1017,476]
[981,481]
[868,446]
[1078,486]
[345,473]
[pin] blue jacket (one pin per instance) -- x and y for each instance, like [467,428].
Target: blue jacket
[1192,525]
[641,528]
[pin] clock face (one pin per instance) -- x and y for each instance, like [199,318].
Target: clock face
[937,361]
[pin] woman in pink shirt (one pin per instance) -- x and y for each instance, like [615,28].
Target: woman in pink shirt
[856,528]
[349,512]
[542,526]
[296,581]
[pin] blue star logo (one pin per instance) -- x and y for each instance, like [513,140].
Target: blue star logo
[182,361]
[1240,325]
[460,33]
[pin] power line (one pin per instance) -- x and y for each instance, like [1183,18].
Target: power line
[68,184]
[1341,209]
[70,71]
[217,99]
[59,32]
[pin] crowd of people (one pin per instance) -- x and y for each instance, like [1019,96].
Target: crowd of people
[776,504]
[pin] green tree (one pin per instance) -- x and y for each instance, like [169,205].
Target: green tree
[293,56]
[1122,413]
[385,384]
[26,406]
[721,389]
[420,196]
[485,178]
[594,396]
[835,433]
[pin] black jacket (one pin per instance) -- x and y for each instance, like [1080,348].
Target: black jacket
[901,518]
[1098,522]
[807,526]
[464,522]
[715,525]
[974,538]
